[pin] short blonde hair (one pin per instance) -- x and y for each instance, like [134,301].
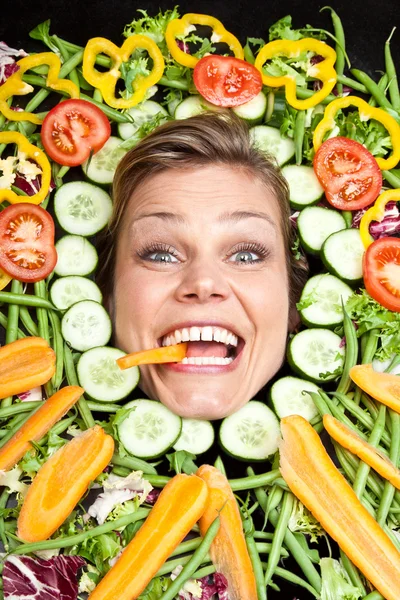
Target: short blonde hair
[212,138]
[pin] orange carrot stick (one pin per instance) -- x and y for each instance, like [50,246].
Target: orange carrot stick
[179,506]
[164,354]
[228,550]
[313,478]
[25,364]
[61,482]
[38,424]
[384,387]
[370,455]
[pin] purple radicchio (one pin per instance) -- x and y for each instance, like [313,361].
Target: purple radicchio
[389,225]
[31,186]
[215,586]
[8,65]
[26,578]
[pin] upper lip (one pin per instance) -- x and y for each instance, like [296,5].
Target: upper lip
[204,323]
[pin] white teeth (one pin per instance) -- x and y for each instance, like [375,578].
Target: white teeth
[178,336]
[194,334]
[206,360]
[207,334]
[185,335]
[217,335]
[224,336]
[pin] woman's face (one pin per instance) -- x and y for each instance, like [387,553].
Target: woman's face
[201,256]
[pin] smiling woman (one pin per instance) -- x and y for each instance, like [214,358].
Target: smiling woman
[199,245]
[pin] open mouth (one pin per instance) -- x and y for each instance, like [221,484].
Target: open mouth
[208,345]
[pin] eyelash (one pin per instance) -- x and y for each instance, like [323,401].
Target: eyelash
[145,252]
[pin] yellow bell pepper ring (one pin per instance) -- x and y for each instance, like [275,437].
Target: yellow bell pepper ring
[4,279]
[14,86]
[376,213]
[366,112]
[106,82]
[323,71]
[182,27]
[29,151]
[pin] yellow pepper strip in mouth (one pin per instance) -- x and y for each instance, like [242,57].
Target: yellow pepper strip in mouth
[366,112]
[106,82]
[323,71]
[350,440]
[14,86]
[179,28]
[376,213]
[313,478]
[165,354]
[35,154]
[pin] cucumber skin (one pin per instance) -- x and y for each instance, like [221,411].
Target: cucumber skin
[293,365]
[354,283]
[312,325]
[298,206]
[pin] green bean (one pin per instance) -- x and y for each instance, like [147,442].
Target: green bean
[3,323]
[363,468]
[204,572]
[3,503]
[352,572]
[263,535]
[360,415]
[58,429]
[12,326]
[319,401]
[257,568]
[274,499]
[63,171]
[58,347]
[194,562]
[351,353]
[121,471]
[170,565]
[107,407]
[372,88]
[373,596]
[367,355]
[279,535]
[73,75]
[72,379]
[392,75]
[340,45]
[248,54]
[177,84]
[135,464]
[43,325]
[220,465]
[265,548]
[73,540]
[14,429]
[348,217]
[295,579]
[111,113]
[391,178]
[249,483]
[382,86]
[20,407]
[369,405]
[27,321]
[71,63]
[97,95]
[25,300]
[305,93]
[394,455]
[299,131]
[187,546]
[352,83]
[37,99]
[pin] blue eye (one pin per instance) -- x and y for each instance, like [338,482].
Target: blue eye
[162,257]
[245,257]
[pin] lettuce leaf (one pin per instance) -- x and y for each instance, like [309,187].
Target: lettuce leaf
[335,583]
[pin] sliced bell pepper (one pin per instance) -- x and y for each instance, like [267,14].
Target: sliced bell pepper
[38,156]
[376,213]
[182,27]
[323,71]
[4,279]
[166,354]
[366,112]
[14,86]
[106,82]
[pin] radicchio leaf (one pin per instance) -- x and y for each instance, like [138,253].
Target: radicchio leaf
[26,578]
[389,225]
[8,64]
[31,187]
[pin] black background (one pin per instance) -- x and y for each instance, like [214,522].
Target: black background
[367,25]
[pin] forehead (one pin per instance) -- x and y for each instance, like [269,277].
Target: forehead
[203,193]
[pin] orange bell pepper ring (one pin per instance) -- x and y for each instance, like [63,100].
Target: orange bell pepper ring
[376,213]
[14,86]
[106,82]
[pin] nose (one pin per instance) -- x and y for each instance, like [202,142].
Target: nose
[202,282]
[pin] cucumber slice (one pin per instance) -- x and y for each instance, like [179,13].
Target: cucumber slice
[322,298]
[67,291]
[253,111]
[197,436]
[192,106]
[82,208]
[149,429]
[269,140]
[251,433]
[86,325]
[101,377]
[289,397]
[342,254]
[316,354]
[304,187]
[141,114]
[76,256]
[100,168]
[315,224]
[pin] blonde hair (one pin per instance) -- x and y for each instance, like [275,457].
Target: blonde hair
[217,138]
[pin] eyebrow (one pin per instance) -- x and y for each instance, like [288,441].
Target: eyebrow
[226,217]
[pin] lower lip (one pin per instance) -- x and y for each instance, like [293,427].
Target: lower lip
[204,369]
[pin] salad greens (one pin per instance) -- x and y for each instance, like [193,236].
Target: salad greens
[90,541]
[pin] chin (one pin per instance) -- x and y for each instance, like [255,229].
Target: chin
[207,407]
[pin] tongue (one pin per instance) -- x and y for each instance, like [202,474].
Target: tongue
[206,349]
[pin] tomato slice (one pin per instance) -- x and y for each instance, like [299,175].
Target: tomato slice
[73,129]
[27,251]
[226,81]
[381,269]
[348,173]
